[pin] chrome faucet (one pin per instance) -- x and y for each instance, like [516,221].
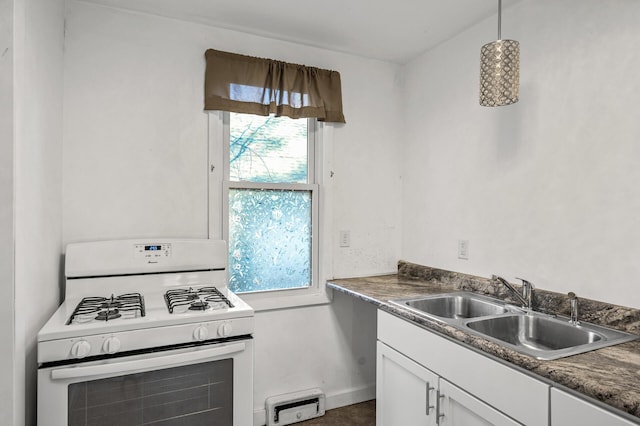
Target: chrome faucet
[526,298]
[573,302]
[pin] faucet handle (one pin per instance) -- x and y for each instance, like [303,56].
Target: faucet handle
[526,283]
[573,304]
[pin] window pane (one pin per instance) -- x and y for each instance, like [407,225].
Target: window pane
[267,149]
[269,239]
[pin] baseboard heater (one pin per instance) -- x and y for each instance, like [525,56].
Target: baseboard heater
[295,407]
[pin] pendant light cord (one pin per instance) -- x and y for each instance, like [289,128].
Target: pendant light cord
[499,19]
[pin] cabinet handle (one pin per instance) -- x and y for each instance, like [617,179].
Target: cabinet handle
[439,415]
[429,406]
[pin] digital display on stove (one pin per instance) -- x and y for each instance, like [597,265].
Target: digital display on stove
[152,251]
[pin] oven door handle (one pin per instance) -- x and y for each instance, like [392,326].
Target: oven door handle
[146,364]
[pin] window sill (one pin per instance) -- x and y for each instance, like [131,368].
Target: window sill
[261,302]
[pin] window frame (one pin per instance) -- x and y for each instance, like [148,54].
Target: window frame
[218,204]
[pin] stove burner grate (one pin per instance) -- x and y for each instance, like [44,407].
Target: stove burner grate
[195,299]
[108,308]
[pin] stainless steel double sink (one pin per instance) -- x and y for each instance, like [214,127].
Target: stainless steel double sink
[532,333]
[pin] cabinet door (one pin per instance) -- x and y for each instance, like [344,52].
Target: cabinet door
[567,409]
[458,408]
[405,390]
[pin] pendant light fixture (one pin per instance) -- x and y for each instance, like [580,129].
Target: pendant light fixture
[499,70]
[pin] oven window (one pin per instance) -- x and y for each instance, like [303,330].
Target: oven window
[198,394]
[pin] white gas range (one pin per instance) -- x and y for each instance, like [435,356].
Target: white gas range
[137,310]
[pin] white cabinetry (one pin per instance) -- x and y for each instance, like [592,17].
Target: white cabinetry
[409,394]
[567,409]
[405,390]
[475,388]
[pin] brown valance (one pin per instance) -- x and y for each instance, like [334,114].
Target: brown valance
[246,84]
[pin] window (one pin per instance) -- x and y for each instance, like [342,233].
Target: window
[265,184]
[270,202]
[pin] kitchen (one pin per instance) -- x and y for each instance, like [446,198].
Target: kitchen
[111,128]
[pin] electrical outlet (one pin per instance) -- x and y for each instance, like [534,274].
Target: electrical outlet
[345,238]
[463,249]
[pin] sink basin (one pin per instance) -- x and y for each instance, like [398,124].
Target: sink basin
[545,337]
[461,305]
[535,334]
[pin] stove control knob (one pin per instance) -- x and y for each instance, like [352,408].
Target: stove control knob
[201,333]
[224,330]
[80,349]
[111,345]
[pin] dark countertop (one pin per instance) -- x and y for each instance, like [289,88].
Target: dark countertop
[610,375]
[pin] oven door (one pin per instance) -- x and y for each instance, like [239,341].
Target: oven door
[208,384]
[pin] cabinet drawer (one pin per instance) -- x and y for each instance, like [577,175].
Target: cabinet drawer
[506,389]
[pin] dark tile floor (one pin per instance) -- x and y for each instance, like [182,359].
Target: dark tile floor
[357,414]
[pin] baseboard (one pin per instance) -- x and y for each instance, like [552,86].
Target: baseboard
[334,400]
[350,396]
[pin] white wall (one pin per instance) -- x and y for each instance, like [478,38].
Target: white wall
[39,34]
[546,189]
[135,164]
[6,206]
[328,346]
[134,156]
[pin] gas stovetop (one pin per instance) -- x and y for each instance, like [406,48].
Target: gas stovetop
[207,300]
[87,315]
